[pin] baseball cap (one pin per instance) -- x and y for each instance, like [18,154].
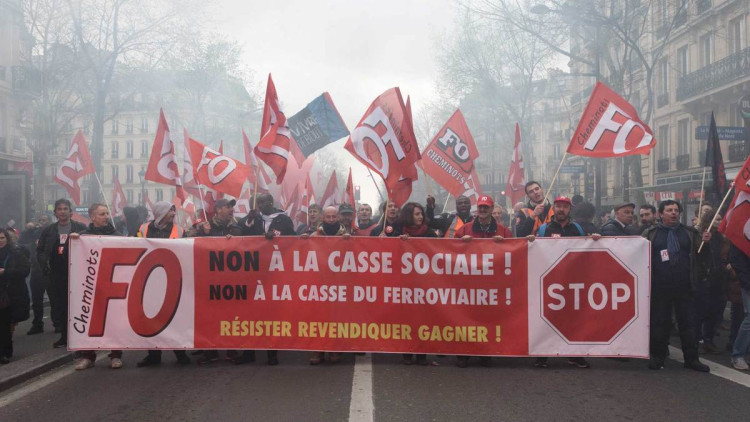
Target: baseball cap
[485,200]
[565,199]
[346,209]
[223,202]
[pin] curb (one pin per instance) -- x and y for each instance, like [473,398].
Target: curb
[23,370]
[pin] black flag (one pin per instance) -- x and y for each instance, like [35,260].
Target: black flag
[715,160]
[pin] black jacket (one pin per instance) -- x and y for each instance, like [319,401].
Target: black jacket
[218,228]
[443,221]
[741,264]
[108,230]
[47,254]
[391,230]
[613,228]
[699,263]
[15,261]
[281,225]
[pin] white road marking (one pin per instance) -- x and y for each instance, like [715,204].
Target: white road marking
[722,371]
[361,407]
[42,381]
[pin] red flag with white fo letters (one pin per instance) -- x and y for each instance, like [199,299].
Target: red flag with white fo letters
[218,172]
[162,164]
[76,164]
[610,127]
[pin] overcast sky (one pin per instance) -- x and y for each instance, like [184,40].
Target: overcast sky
[354,49]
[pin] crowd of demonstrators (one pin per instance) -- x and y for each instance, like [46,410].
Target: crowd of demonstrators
[38,282]
[52,256]
[536,211]
[161,227]
[14,296]
[694,286]
[101,225]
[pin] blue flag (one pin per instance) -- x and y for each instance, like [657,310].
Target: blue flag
[317,125]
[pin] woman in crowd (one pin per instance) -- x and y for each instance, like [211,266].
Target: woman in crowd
[413,224]
[101,225]
[14,297]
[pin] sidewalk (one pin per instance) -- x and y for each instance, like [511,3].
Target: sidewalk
[32,355]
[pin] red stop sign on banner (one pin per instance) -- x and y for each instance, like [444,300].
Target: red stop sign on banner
[589,297]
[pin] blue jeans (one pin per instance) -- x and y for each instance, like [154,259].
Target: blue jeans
[742,342]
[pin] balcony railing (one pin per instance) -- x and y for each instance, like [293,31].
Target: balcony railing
[683,162]
[715,75]
[662,165]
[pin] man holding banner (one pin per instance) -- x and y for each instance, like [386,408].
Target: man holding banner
[449,224]
[537,212]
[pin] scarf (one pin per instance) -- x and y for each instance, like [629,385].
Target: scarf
[330,229]
[673,244]
[268,219]
[416,231]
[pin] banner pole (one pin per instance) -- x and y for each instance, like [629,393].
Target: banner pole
[101,189]
[549,189]
[716,214]
[255,188]
[376,185]
[700,203]
[203,202]
[447,198]
[427,183]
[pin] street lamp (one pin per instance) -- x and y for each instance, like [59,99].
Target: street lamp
[142,175]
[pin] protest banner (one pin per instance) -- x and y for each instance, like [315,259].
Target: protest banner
[442,296]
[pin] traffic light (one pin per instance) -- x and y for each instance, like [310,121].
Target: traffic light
[356,192]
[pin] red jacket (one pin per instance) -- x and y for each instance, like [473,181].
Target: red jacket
[473,229]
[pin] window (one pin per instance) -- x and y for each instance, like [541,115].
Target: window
[144,149]
[129,149]
[735,34]
[115,127]
[683,60]
[705,46]
[663,142]
[159,195]
[683,137]
[115,150]
[129,126]
[129,195]
[735,118]
[129,173]
[144,125]
[664,75]
[115,173]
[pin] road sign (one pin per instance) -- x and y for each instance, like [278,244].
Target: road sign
[726,133]
[588,286]
[745,106]
[572,169]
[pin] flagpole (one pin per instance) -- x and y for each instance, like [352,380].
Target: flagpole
[703,187]
[716,215]
[376,185]
[549,189]
[101,189]
[447,198]
[255,188]
[427,183]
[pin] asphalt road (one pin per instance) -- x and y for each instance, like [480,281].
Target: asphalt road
[511,390]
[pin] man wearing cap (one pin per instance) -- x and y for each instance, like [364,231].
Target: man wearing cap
[162,227]
[346,218]
[536,212]
[449,223]
[222,223]
[621,223]
[483,226]
[562,226]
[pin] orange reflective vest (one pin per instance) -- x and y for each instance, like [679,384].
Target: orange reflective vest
[176,232]
[455,225]
[538,222]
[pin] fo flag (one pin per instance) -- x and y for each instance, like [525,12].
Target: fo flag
[162,164]
[317,125]
[258,171]
[217,171]
[384,142]
[118,199]
[610,127]
[516,178]
[449,158]
[331,195]
[736,224]
[715,160]
[76,164]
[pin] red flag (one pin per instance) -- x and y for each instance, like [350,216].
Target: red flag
[736,224]
[310,191]
[188,174]
[331,194]
[276,140]
[384,141]
[259,172]
[243,203]
[449,158]
[218,172]
[516,178]
[610,127]
[292,206]
[118,199]
[77,164]
[348,196]
[162,164]
[742,181]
